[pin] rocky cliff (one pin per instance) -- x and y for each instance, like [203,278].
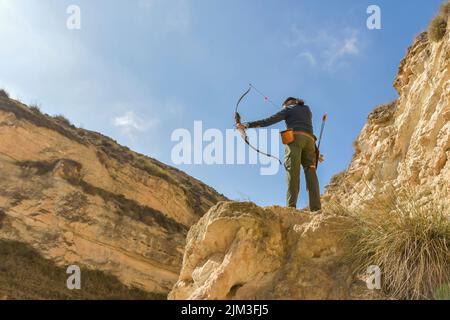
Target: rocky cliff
[405,142]
[77,197]
[240,251]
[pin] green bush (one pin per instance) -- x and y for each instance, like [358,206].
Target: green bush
[410,242]
[438,26]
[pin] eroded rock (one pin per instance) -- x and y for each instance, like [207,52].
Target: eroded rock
[242,251]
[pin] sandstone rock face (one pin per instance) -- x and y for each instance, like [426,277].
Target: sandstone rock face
[79,198]
[242,251]
[406,142]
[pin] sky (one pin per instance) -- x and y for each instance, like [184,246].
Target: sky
[138,70]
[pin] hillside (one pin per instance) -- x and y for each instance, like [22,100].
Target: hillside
[78,197]
[25,274]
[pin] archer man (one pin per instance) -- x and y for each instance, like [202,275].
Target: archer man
[301,151]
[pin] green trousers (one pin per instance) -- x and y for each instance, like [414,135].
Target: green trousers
[302,152]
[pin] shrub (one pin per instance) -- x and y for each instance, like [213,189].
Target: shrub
[437,28]
[4,94]
[63,120]
[35,108]
[410,242]
[438,25]
[383,112]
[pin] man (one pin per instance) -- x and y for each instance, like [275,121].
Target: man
[302,151]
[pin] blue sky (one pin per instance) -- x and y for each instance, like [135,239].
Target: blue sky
[139,69]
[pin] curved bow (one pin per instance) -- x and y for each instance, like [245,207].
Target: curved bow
[237,118]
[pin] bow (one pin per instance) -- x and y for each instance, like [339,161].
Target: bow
[237,118]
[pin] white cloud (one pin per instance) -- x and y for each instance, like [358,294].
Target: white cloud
[344,47]
[130,123]
[350,46]
[309,57]
[329,47]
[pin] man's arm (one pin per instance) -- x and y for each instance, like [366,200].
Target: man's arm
[280,116]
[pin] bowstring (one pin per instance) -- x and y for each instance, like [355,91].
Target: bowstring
[243,132]
[266,98]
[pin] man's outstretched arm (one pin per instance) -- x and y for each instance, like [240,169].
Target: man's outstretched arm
[280,116]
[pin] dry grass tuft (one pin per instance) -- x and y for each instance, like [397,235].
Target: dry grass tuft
[438,26]
[62,120]
[409,241]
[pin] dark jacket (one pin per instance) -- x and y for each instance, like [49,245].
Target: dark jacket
[297,117]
